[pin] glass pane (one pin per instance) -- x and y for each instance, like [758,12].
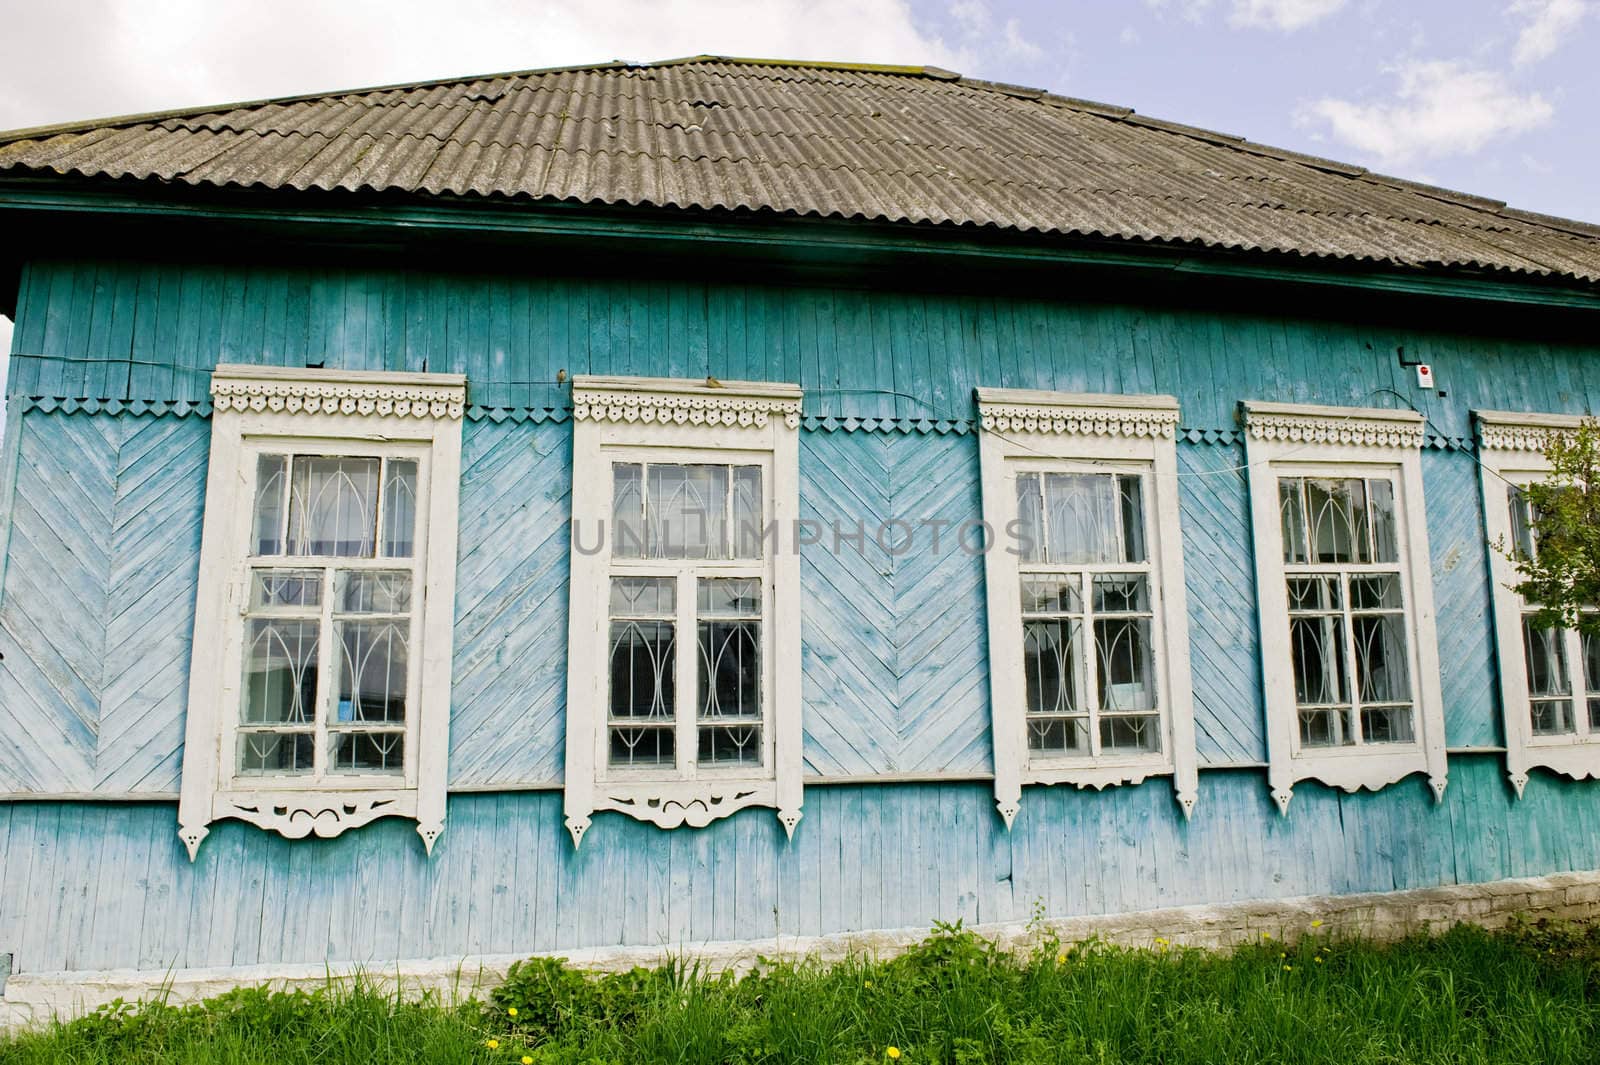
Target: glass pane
[1336,523]
[1386,724]
[373,661]
[1050,594]
[686,512]
[400,509]
[280,671]
[1545,652]
[1314,593]
[1521,520]
[1121,593]
[275,752]
[1140,734]
[367,752]
[1059,734]
[644,597]
[1385,540]
[1326,727]
[1318,647]
[1379,591]
[643,670]
[271,490]
[285,589]
[642,747]
[1591,663]
[730,745]
[1292,517]
[1382,673]
[748,523]
[375,592]
[1553,717]
[627,510]
[730,669]
[1050,662]
[1083,519]
[333,507]
[1131,493]
[1030,518]
[1127,667]
[729,597]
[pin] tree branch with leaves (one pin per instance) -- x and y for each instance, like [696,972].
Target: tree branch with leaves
[1558,551]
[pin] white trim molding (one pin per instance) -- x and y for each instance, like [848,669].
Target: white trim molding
[1127,441]
[276,413]
[1380,449]
[639,426]
[1511,455]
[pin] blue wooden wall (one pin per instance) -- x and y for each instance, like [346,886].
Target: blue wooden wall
[99,593]
[86,886]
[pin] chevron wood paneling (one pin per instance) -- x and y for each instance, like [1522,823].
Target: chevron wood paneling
[894,642]
[1467,672]
[508,715]
[1214,506]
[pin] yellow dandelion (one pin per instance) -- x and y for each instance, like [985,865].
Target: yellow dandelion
[1160,941]
[1266,935]
[1061,959]
[492,1044]
[1288,968]
[526,1060]
[1316,924]
[512,1012]
[893,1053]
[1283,954]
[866,983]
[1319,960]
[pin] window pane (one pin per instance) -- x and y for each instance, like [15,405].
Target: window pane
[400,509]
[333,507]
[643,689]
[1030,517]
[1138,734]
[644,597]
[373,661]
[642,747]
[1314,593]
[1292,517]
[278,753]
[1050,594]
[730,669]
[1121,593]
[1386,724]
[1552,717]
[375,592]
[730,745]
[1060,735]
[1126,674]
[1083,519]
[686,512]
[1318,647]
[748,521]
[1328,727]
[280,671]
[1050,661]
[729,597]
[1521,520]
[283,590]
[1591,674]
[367,752]
[1383,674]
[1337,520]
[1379,591]
[1385,541]
[271,490]
[1545,651]
[1131,494]
[627,510]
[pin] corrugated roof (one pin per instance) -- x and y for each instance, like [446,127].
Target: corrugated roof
[890,144]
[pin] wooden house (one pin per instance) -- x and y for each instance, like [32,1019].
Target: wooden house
[731,504]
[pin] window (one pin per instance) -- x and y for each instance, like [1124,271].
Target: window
[1087,628]
[683,690]
[1549,677]
[329,529]
[1349,662]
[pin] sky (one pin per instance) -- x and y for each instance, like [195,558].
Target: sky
[1486,96]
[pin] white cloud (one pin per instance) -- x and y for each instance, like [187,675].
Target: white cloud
[1129,35]
[1285,15]
[1018,45]
[1188,10]
[971,15]
[1441,108]
[1550,23]
[74,59]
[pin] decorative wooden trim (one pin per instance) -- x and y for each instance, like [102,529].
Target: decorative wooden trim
[414,414]
[743,404]
[1512,451]
[10,460]
[1296,423]
[1137,432]
[1354,441]
[623,416]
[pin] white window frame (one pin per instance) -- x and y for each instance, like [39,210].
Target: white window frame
[1511,451]
[258,410]
[1028,431]
[633,419]
[1285,439]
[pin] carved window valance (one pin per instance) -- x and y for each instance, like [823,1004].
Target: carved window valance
[1360,426]
[652,401]
[265,389]
[1512,431]
[1005,410]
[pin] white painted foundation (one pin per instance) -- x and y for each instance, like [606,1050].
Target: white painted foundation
[34,998]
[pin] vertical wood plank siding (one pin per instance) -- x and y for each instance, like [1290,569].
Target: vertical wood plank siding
[100,886]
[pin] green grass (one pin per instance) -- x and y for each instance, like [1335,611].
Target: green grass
[1529,996]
